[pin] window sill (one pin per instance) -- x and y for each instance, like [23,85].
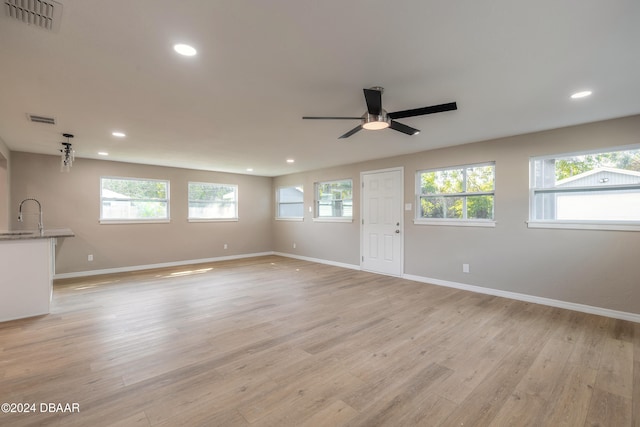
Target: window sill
[585,225]
[332,219]
[212,220]
[290,219]
[455,223]
[134,221]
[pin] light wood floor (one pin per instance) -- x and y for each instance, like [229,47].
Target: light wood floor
[273,341]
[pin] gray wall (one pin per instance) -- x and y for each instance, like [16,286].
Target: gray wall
[72,200]
[338,242]
[582,266]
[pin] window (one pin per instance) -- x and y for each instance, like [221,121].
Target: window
[586,189]
[290,202]
[133,199]
[334,199]
[462,195]
[212,202]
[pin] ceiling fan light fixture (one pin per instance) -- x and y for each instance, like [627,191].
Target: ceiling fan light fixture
[375,125]
[373,122]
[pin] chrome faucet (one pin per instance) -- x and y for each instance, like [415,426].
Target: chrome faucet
[40,224]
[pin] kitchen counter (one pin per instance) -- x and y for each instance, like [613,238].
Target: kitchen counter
[35,234]
[27,266]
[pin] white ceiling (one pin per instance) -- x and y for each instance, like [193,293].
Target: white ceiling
[262,65]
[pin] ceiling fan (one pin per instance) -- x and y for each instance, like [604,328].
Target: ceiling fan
[376,118]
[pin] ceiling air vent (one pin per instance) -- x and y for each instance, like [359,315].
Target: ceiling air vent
[42,119]
[44,14]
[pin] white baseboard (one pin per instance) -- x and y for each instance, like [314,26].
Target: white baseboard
[319,261]
[159,265]
[622,315]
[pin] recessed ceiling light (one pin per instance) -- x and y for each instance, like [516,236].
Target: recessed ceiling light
[185,49]
[249,169]
[582,94]
[103,153]
[118,134]
[290,160]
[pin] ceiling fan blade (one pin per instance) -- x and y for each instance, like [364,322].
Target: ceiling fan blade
[403,128]
[351,132]
[422,111]
[331,118]
[374,101]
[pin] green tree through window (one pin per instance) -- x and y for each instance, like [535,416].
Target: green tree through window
[567,167]
[465,192]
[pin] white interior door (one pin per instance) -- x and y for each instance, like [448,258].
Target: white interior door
[382,225]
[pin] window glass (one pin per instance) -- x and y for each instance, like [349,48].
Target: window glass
[602,187]
[290,202]
[457,193]
[213,201]
[134,199]
[334,199]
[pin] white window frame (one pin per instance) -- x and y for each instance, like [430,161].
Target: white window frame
[103,220]
[278,203]
[458,222]
[614,225]
[212,219]
[316,191]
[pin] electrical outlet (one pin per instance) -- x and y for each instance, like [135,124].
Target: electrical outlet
[90,257]
[294,245]
[465,268]
[225,246]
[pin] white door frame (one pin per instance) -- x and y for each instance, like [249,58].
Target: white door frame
[401,202]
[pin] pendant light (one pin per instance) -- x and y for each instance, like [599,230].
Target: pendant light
[68,154]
